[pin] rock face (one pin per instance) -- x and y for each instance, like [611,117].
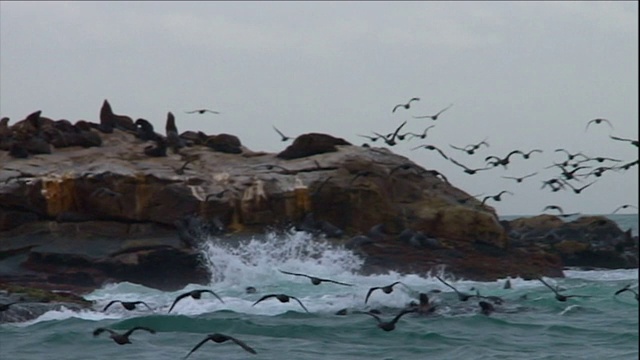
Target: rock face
[82,216]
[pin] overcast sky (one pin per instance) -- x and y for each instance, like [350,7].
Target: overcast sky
[522,75]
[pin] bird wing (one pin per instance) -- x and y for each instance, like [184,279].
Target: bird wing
[547,285]
[279,132]
[191,112]
[264,298]
[299,302]
[336,282]
[458,148]
[144,303]
[99,331]
[423,117]
[371,314]
[369,293]
[290,273]
[441,153]
[623,289]
[109,304]
[242,344]
[139,328]
[444,282]
[443,110]
[198,346]
[180,297]
[396,107]
[214,294]
[406,311]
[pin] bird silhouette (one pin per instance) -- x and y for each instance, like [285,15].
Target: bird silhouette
[129,305]
[421,136]
[121,339]
[625,206]
[406,106]
[627,288]
[496,197]
[633,142]
[389,325]
[431,147]
[372,138]
[466,169]
[495,161]
[461,296]
[315,280]
[391,141]
[433,117]
[202,111]
[220,338]
[195,294]
[527,155]
[598,121]
[283,136]
[282,298]
[560,297]
[578,190]
[388,289]
[553,207]
[471,148]
[521,178]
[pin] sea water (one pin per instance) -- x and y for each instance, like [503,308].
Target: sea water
[530,324]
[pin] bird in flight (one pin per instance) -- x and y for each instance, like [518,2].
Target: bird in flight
[633,142]
[389,325]
[466,169]
[220,338]
[202,111]
[520,179]
[391,140]
[282,298]
[129,305]
[496,197]
[598,121]
[406,106]
[471,148]
[283,136]
[386,289]
[431,147]
[627,288]
[421,136]
[560,297]
[434,117]
[195,294]
[315,280]
[461,296]
[121,339]
[626,206]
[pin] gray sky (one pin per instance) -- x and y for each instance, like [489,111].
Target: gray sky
[523,75]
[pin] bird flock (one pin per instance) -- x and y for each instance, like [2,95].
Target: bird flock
[424,307]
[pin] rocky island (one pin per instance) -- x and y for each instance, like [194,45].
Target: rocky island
[86,203]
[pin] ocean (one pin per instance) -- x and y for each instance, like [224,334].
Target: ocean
[530,324]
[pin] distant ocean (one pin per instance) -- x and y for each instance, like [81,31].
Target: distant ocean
[530,324]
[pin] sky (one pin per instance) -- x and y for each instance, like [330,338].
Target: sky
[520,75]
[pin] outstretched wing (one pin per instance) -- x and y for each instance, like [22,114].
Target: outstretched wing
[198,346]
[99,331]
[214,294]
[143,303]
[299,302]
[291,273]
[139,328]
[264,298]
[180,297]
[336,282]
[406,311]
[369,293]
[109,304]
[242,344]
[623,289]
[547,285]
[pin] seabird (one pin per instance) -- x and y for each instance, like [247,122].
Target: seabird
[129,305]
[391,141]
[406,106]
[315,280]
[195,294]
[433,117]
[220,338]
[371,138]
[633,142]
[431,147]
[121,339]
[496,197]
[626,206]
[578,190]
[282,298]
[390,325]
[388,289]
[598,121]
[495,161]
[571,156]
[560,297]
[528,154]
[627,288]
[461,296]
[421,136]
[519,179]
[553,207]
[283,136]
[202,111]
[466,169]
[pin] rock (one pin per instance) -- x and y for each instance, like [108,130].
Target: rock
[311,144]
[224,143]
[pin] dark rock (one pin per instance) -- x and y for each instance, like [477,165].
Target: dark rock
[224,143]
[311,144]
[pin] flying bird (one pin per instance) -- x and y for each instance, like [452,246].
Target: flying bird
[528,154]
[315,280]
[466,169]
[560,297]
[282,298]
[283,136]
[388,289]
[433,117]
[129,305]
[195,294]
[627,288]
[496,197]
[626,206]
[471,148]
[461,296]
[391,140]
[220,338]
[389,325]
[431,147]
[406,106]
[121,339]
[495,161]
[598,121]
[633,142]
[421,136]
[578,190]
[520,179]
[202,111]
